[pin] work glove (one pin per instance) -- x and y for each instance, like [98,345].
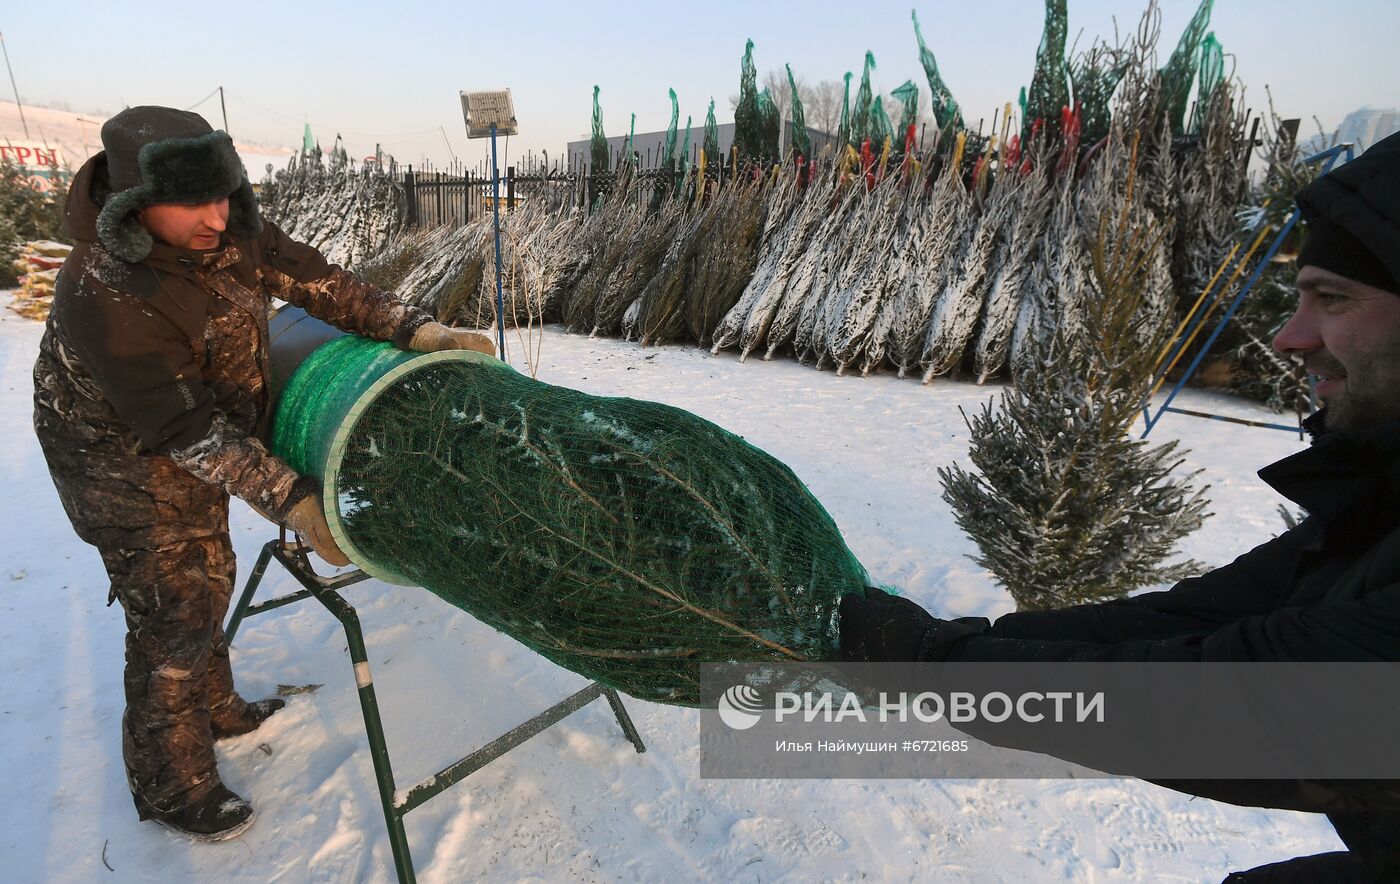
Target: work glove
[877,627]
[309,522]
[434,336]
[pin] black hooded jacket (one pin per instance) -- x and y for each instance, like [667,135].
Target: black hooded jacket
[1325,591]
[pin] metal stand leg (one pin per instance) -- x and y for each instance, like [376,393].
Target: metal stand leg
[374,730]
[323,589]
[241,608]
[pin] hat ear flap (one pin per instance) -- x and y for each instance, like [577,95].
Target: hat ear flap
[243,217]
[118,229]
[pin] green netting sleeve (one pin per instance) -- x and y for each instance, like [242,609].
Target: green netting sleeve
[1049,91]
[711,145]
[598,147]
[748,124]
[800,140]
[669,155]
[770,125]
[1180,73]
[628,541]
[881,129]
[627,146]
[685,158]
[1212,74]
[1093,77]
[861,120]
[843,133]
[945,110]
[908,96]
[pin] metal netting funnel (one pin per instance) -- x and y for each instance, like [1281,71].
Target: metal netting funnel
[628,541]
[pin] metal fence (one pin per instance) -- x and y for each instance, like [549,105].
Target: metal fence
[459,195]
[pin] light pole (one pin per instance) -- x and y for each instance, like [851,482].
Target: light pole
[488,114]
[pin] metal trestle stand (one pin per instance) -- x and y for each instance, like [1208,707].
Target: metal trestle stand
[293,556]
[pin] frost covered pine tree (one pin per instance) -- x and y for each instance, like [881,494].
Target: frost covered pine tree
[1069,508]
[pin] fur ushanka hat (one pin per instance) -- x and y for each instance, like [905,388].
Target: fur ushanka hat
[162,155]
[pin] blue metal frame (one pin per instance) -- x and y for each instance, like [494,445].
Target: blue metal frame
[1328,158]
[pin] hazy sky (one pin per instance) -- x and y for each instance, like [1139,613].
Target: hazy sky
[391,73]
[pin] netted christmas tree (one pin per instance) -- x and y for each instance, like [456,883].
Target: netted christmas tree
[801,142]
[711,144]
[748,138]
[626,540]
[865,103]
[1067,507]
[1049,89]
[1180,72]
[945,109]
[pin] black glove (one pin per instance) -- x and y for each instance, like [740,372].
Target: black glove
[877,627]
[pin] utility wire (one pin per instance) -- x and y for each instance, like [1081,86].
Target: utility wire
[211,94]
[448,143]
[18,103]
[321,125]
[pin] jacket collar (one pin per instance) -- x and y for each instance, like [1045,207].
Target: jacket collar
[189,262]
[1341,473]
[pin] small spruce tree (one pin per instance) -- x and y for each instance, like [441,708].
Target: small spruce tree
[26,214]
[1068,507]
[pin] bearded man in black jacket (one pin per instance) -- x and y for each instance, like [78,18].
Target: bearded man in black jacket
[1325,591]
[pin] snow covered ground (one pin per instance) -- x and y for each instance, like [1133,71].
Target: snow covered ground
[576,803]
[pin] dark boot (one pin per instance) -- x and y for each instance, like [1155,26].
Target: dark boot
[254,714]
[218,816]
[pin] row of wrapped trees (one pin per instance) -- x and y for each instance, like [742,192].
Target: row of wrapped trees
[347,211]
[874,254]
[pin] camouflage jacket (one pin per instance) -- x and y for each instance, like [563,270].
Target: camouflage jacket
[169,357]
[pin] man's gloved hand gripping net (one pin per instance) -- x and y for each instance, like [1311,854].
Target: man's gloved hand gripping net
[625,540]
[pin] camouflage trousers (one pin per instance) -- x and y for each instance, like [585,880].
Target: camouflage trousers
[179,686]
[163,538]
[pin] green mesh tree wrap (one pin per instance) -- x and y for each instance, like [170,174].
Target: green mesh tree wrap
[711,146]
[627,148]
[945,109]
[665,186]
[685,158]
[625,540]
[801,143]
[1049,91]
[1212,74]
[860,119]
[1180,73]
[669,155]
[908,97]
[1094,76]
[881,130]
[598,146]
[770,127]
[747,123]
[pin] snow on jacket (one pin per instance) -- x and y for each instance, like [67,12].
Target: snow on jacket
[169,357]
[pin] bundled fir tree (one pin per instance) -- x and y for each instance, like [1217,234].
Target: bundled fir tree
[26,214]
[1068,508]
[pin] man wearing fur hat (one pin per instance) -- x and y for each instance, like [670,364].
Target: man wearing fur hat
[1325,591]
[151,401]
